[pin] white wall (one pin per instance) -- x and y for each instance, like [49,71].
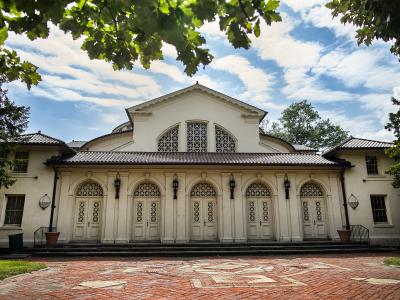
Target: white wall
[37,182]
[361,185]
[151,123]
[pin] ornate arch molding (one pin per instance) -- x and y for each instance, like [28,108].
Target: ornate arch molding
[81,180]
[145,179]
[252,180]
[317,182]
[165,135]
[210,181]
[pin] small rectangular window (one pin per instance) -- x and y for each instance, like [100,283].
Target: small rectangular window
[14,209]
[379,208]
[372,165]
[21,162]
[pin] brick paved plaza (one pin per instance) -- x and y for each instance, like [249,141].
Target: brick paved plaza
[287,277]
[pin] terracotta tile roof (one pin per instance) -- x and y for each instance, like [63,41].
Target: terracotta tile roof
[353,143]
[189,158]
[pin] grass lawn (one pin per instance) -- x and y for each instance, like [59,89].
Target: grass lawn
[14,267]
[392,261]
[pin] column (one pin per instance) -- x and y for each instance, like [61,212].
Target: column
[334,204]
[181,207]
[122,211]
[168,210]
[283,207]
[226,212]
[66,206]
[239,211]
[294,210]
[109,209]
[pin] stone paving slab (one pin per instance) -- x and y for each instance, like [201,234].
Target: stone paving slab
[287,277]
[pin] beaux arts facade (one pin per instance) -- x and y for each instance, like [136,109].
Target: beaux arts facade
[193,166]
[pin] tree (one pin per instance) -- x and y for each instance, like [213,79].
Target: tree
[301,124]
[394,152]
[123,32]
[13,122]
[375,19]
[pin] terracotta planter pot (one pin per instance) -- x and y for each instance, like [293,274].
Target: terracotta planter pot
[52,238]
[344,235]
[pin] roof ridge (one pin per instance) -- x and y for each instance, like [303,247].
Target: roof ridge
[369,140]
[197,153]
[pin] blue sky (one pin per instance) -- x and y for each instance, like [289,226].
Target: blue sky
[307,56]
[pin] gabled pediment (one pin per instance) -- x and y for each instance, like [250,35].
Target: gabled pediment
[248,111]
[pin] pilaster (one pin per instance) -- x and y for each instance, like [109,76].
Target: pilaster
[168,210]
[181,207]
[122,210]
[283,210]
[239,211]
[226,210]
[109,210]
[66,206]
[294,211]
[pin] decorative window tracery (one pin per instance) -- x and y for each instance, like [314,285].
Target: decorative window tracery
[203,190]
[89,189]
[224,141]
[147,189]
[258,189]
[311,190]
[168,142]
[196,137]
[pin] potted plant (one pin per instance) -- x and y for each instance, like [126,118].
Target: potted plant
[344,234]
[52,238]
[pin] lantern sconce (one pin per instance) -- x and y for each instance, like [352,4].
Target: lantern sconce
[232,185]
[44,201]
[353,201]
[117,185]
[286,184]
[175,185]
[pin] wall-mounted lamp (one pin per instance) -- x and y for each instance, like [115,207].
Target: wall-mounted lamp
[44,201]
[117,185]
[286,184]
[353,201]
[175,185]
[232,185]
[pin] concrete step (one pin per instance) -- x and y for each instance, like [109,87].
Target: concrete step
[202,248]
[219,252]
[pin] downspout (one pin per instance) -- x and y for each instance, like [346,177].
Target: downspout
[346,211]
[53,199]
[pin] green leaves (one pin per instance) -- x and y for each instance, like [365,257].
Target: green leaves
[3,35]
[127,32]
[375,19]
[394,152]
[301,124]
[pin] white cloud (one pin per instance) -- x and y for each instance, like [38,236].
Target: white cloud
[275,43]
[258,83]
[321,17]
[363,67]
[299,5]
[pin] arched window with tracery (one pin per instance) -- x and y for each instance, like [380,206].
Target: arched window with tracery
[168,142]
[224,141]
[203,189]
[147,189]
[196,137]
[89,189]
[258,189]
[311,190]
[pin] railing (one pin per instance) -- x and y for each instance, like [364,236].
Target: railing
[39,236]
[359,233]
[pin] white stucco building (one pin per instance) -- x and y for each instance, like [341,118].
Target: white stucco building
[193,166]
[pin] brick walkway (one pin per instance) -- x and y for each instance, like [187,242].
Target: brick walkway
[303,277]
